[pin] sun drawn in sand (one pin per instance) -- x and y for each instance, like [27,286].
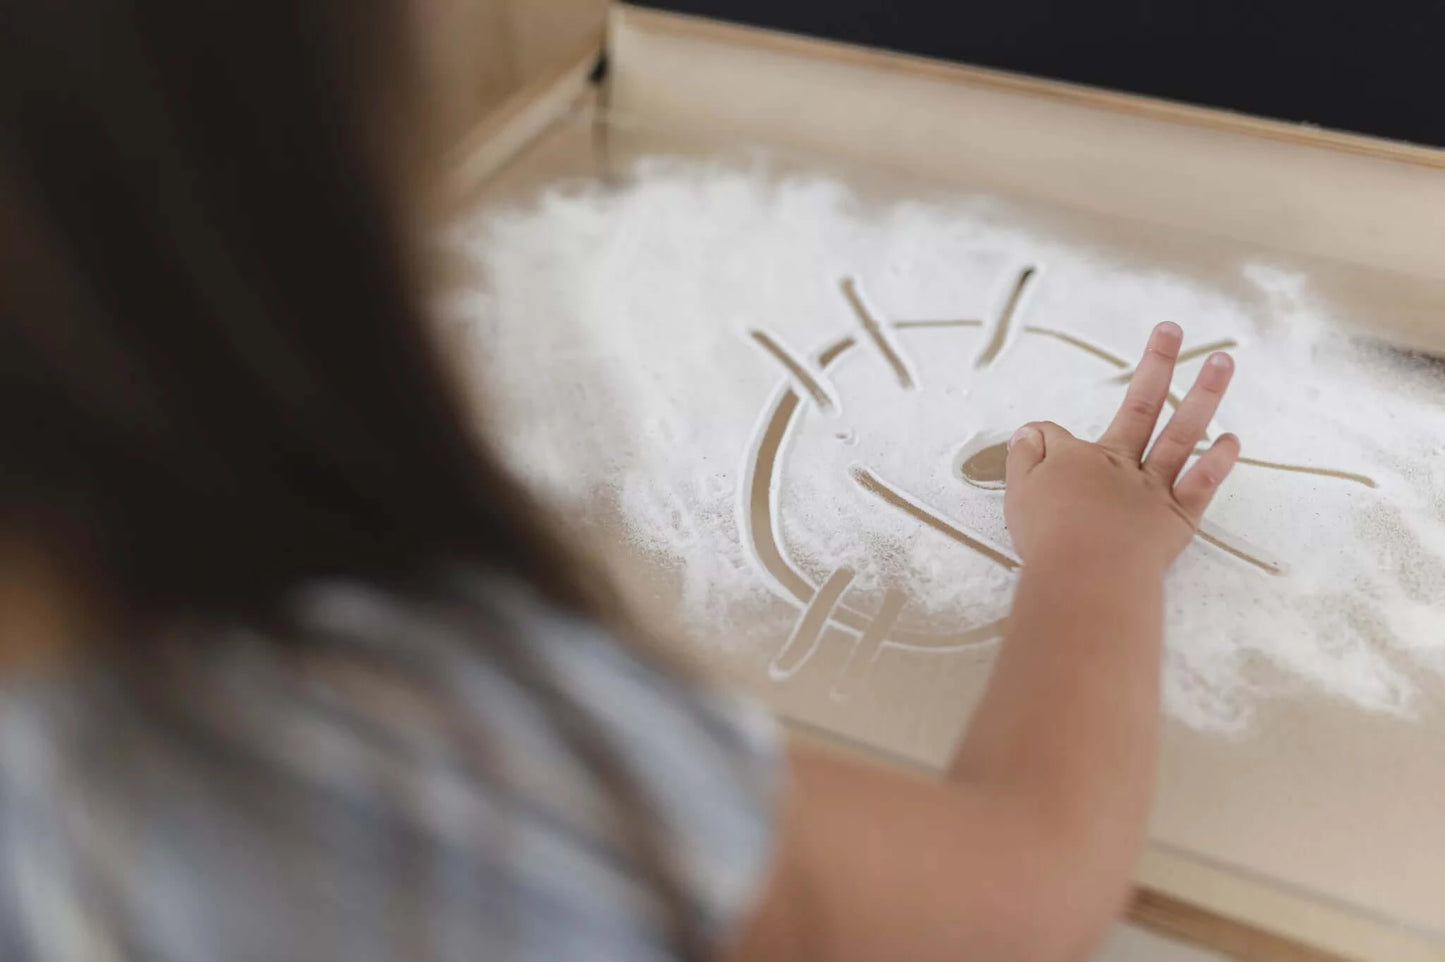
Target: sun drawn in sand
[833,611]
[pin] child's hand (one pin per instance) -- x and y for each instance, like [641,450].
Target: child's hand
[1107,503]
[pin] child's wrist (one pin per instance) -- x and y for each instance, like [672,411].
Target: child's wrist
[1098,560]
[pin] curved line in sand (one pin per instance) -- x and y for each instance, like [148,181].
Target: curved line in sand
[758,516]
[821,395]
[758,498]
[1002,326]
[808,632]
[871,326]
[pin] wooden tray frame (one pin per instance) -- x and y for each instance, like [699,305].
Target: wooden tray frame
[1177,894]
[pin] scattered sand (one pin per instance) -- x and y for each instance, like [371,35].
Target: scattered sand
[615,336]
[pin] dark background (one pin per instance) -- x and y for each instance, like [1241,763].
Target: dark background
[1376,68]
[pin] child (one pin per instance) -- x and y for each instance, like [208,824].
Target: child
[292,669]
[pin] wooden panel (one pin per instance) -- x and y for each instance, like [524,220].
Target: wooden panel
[480,53]
[1292,188]
[469,60]
[1363,205]
[548,31]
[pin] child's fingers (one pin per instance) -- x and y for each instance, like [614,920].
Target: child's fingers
[1025,451]
[1196,489]
[1186,428]
[1030,444]
[1129,433]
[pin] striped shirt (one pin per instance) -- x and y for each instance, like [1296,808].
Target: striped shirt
[385,791]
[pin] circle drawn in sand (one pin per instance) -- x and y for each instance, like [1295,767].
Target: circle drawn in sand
[834,602]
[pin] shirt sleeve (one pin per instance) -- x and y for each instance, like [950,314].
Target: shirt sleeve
[400,790]
[707,760]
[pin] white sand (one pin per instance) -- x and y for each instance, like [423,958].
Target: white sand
[612,337]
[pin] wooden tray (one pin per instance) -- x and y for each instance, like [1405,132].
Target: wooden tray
[1321,834]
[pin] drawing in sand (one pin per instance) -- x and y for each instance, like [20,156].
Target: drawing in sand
[827,607]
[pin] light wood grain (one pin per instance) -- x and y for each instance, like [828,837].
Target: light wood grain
[1158,912]
[1357,210]
[506,130]
[1061,91]
[480,54]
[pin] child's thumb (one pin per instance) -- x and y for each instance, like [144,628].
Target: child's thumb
[1025,451]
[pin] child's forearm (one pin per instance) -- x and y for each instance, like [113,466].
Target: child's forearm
[1069,723]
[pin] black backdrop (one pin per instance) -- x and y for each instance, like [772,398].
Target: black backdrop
[1374,67]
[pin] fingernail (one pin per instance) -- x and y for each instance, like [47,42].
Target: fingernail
[1171,330]
[1020,434]
[1220,361]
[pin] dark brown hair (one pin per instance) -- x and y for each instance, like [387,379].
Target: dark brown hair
[213,350]
[215,378]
